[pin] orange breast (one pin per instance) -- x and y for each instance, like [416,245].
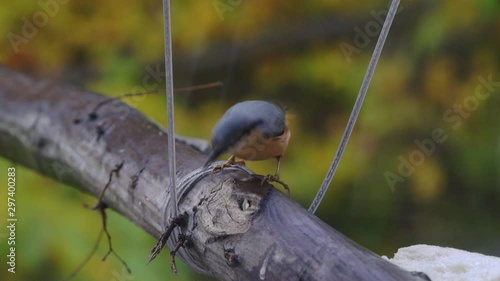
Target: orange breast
[255,147]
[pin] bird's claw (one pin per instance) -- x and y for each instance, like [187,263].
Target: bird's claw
[275,178]
[220,167]
[229,163]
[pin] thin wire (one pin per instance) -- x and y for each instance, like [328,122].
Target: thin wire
[357,106]
[169,90]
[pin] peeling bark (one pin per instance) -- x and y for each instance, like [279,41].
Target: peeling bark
[237,229]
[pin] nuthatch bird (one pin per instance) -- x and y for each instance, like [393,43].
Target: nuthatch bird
[251,130]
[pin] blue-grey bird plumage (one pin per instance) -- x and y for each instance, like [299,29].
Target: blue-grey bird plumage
[242,119]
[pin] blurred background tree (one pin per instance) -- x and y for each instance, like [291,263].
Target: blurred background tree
[309,57]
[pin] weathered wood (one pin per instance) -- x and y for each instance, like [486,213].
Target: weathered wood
[239,229]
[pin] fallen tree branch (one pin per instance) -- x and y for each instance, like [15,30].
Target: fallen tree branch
[237,229]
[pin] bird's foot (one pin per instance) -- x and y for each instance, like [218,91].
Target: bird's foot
[229,163]
[275,178]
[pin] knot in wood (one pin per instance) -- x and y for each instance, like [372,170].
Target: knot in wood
[229,208]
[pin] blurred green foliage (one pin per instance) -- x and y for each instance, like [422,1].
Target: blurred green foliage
[432,62]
